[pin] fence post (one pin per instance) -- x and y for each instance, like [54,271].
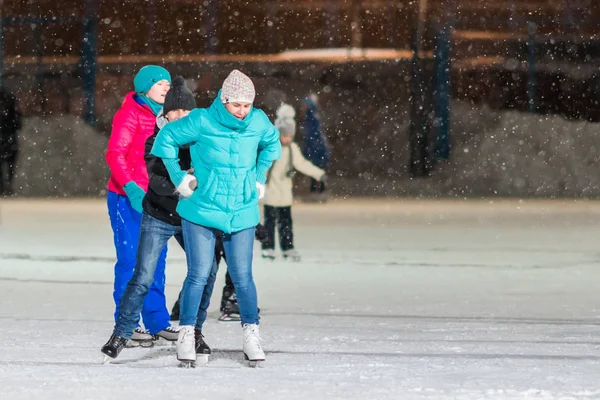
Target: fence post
[531,75]
[442,92]
[210,25]
[1,45]
[331,13]
[150,26]
[88,59]
[418,125]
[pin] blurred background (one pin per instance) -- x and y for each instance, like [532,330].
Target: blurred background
[433,98]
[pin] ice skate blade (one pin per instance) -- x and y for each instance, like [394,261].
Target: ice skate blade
[187,364]
[202,359]
[161,341]
[253,363]
[139,343]
[107,359]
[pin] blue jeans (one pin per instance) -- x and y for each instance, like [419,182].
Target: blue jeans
[125,222]
[199,251]
[154,235]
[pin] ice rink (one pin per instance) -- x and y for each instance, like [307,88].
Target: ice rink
[393,299]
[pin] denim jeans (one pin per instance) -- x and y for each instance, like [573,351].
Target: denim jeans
[200,249]
[125,223]
[154,235]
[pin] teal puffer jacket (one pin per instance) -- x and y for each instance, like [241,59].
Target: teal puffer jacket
[228,156]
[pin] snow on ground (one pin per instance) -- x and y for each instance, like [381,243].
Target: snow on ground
[393,300]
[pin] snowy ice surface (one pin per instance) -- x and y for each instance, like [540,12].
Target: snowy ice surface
[397,299]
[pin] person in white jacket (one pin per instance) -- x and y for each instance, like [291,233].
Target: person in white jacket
[279,195]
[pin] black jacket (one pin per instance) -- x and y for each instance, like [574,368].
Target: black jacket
[10,124]
[161,200]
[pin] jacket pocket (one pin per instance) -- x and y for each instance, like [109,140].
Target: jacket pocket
[210,187]
[250,190]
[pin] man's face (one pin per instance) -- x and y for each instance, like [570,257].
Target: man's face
[174,115]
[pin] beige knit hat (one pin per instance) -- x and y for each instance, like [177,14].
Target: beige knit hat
[237,88]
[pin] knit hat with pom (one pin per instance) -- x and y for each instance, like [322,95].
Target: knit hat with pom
[285,120]
[179,97]
[237,87]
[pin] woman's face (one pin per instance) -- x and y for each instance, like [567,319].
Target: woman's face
[158,91]
[238,109]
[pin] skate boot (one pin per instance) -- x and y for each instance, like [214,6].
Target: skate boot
[291,254]
[253,352]
[140,338]
[268,254]
[230,312]
[169,333]
[186,347]
[202,349]
[175,312]
[113,347]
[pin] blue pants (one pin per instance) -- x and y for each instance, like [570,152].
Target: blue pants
[199,251]
[154,235]
[125,222]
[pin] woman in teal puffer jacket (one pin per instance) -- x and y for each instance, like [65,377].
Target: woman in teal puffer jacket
[232,146]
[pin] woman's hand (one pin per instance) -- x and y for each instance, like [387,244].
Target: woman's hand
[261,190]
[187,186]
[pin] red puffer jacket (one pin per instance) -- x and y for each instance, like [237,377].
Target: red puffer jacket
[132,125]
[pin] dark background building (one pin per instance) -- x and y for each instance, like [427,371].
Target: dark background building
[381,67]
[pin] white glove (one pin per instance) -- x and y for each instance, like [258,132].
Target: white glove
[187,186]
[261,190]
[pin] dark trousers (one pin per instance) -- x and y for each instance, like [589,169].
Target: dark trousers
[10,161]
[282,216]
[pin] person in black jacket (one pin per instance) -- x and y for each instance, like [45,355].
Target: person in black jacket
[10,124]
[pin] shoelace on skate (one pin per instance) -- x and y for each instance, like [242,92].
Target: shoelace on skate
[253,337]
[187,334]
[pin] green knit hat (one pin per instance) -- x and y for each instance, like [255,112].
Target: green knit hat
[148,76]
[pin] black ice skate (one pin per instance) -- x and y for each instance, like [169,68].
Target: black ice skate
[229,317]
[113,347]
[230,312]
[175,312]
[202,349]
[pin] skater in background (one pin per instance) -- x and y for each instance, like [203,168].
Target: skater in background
[132,125]
[10,125]
[232,146]
[316,146]
[279,195]
[230,312]
[160,222]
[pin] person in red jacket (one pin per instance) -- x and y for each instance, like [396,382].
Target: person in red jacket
[132,125]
